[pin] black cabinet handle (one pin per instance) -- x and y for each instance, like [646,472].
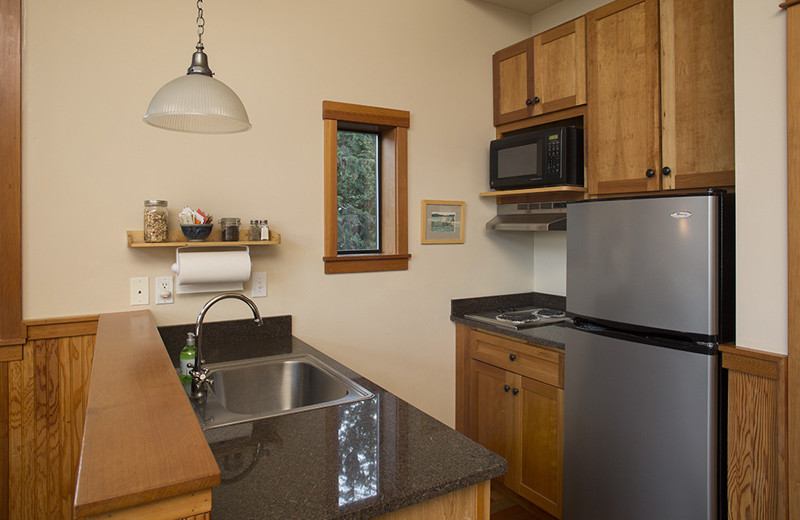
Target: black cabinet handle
[512,357]
[650,172]
[528,101]
[536,100]
[506,388]
[665,170]
[515,391]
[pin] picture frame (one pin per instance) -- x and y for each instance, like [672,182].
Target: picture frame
[442,222]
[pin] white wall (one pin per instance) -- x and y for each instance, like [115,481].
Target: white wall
[550,262]
[563,11]
[760,90]
[761,233]
[89,71]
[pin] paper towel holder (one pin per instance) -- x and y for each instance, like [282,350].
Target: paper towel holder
[210,286]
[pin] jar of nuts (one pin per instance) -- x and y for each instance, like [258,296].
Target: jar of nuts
[155,220]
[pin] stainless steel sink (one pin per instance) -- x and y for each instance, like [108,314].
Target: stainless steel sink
[253,389]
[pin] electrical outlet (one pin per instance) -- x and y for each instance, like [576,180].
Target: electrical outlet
[163,290]
[259,285]
[140,294]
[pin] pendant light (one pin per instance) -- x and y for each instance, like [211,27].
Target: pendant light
[198,103]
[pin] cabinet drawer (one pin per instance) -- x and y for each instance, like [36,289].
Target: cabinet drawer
[527,360]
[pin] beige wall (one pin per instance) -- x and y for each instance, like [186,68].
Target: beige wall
[761,233]
[90,69]
[760,75]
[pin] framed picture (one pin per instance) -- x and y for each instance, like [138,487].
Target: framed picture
[442,222]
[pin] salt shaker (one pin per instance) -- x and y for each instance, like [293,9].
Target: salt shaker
[264,229]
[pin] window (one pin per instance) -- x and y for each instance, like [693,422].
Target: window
[366,193]
[358,192]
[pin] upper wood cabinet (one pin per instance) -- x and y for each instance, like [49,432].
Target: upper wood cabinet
[559,67]
[512,70]
[542,74]
[660,95]
[623,131]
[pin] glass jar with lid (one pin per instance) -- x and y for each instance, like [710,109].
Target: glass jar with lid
[156,219]
[230,228]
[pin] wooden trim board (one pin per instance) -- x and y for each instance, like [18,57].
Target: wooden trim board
[11,171]
[793,173]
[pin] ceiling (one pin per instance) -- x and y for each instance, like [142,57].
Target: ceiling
[524,6]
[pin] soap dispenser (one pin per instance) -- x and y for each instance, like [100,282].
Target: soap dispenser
[187,357]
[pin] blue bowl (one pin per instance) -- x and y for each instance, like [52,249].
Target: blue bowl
[196,232]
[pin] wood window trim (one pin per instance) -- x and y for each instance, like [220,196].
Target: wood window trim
[393,128]
[12,330]
[793,171]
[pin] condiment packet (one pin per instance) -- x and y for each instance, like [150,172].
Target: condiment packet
[189,216]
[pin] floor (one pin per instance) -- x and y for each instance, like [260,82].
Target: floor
[505,505]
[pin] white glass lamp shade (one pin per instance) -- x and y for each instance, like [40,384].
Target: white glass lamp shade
[198,104]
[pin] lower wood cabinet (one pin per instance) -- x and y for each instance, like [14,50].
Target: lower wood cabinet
[507,408]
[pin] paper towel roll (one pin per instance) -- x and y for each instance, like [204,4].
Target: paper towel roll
[212,267]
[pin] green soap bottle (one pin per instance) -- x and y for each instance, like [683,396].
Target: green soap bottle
[187,357]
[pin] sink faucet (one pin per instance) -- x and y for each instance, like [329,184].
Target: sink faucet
[198,372]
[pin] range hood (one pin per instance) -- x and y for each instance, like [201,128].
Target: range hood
[531,216]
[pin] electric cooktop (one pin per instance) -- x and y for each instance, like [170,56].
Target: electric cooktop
[516,319]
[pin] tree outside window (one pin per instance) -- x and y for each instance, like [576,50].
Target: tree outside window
[358,192]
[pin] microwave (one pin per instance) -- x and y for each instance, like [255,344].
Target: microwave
[545,157]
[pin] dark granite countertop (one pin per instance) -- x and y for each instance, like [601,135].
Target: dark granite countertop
[352,461]
[548,335]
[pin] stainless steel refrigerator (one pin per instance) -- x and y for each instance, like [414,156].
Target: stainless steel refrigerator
[650,285]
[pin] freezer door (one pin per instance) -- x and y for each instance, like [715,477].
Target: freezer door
[649,262]
[640,430]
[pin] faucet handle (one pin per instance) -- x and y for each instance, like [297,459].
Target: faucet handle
[199,375]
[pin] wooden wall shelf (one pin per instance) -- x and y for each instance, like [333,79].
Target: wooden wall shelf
[550,194]
[176,239]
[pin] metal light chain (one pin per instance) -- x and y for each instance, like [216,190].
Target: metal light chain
[201,23]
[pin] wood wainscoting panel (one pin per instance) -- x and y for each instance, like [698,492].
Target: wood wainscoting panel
[757,433]
[46,400]
[4,434]
[469,503]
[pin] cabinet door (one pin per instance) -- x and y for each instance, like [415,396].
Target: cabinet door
[697,93]
[559,65]
[513,82]
[623,98]
[491,417]
[540,441]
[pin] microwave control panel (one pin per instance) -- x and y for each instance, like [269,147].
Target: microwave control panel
[552,164]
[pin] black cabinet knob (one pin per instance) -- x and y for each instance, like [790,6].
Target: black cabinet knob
[512,357]
[650,172]
[665,170]
[515,391]
[506,388]
[536,100]
[528,101]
